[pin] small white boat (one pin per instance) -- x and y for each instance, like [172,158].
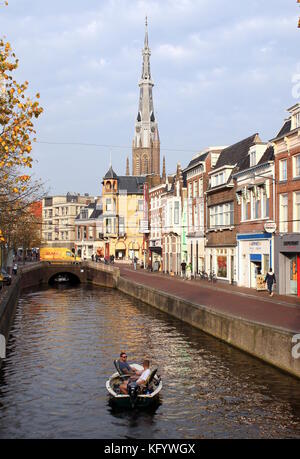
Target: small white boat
[135,398]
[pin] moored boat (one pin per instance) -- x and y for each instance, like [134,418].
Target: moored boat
[136,397]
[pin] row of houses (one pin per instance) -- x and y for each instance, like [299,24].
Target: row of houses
[234,211]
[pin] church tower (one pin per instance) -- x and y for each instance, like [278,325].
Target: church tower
[146,143]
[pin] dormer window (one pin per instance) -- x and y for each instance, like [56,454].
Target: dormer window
[252,158]
[218,179]
[297,120]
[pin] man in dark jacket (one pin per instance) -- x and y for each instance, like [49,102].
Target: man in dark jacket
[270,281]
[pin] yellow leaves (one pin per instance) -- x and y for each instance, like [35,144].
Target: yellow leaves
[37,95]
[15,190]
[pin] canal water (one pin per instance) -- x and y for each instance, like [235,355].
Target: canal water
[61,351]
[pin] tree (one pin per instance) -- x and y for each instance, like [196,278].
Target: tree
[16,126]
[17,188]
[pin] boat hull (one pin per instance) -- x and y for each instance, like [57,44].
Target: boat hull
[142,401]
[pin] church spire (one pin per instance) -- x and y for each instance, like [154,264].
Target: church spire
[146,144]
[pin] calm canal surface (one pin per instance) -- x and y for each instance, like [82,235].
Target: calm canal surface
[61,353]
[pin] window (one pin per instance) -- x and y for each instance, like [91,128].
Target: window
[221,215]
[297,120]
[49,236]
[108,205]
[297,166]
[283,211]
[84,214]
[91,232]
[84,232]
[121,226]
[296,216]
[218,179]
[141,205]
[265,203]
[195,189]
[176,213]
[190,190]
[283,169]
[200,194]
[254,205]
[253,158]
[245,209]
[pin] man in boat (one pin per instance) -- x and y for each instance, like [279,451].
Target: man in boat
[140,377]
[124,366]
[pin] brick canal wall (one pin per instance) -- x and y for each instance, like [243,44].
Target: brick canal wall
[39,274]
[8,303]
[273,345]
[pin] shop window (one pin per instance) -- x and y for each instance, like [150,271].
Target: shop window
[222,266]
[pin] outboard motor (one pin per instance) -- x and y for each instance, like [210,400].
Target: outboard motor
[133,389]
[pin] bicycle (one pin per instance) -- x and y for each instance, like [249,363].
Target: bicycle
[212,277]
[203,275]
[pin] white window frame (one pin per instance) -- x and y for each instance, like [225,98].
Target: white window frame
[282,170]
[283,213]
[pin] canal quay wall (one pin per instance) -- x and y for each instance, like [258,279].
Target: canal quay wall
[268,343]
[271,344]
[8,303]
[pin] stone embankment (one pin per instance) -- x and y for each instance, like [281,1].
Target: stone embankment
[265,339]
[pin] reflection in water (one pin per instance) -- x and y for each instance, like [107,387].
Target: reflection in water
[61,353]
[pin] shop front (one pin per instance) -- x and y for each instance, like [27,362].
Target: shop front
[287,264]
[120,250]
[221,261]
[254,258]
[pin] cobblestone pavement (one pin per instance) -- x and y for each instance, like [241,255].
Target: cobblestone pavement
[279,311]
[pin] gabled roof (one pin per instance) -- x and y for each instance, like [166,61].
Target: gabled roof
[236,154]
[197,160]
[285,128]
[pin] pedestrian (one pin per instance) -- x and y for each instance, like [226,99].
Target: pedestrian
[92,257]
[15,269]
[135,260]
[189,271]
[270,280]
[183,269]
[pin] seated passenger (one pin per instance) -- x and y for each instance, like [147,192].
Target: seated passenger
[140,377]
[124,366]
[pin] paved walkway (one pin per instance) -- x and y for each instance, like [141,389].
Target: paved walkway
[279,311]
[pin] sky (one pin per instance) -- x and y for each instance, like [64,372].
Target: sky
[222,71]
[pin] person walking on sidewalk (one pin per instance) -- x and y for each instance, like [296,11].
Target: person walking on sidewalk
[135,260]
[183,268]
[270,280]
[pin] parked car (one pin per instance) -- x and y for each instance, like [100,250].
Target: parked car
[6,277]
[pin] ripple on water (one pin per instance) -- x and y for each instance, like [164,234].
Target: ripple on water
[60,354]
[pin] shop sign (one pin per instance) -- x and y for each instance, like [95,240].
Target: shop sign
[270,227]
[255,246]
[260,282]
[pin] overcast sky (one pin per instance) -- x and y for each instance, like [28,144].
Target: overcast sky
[222,70]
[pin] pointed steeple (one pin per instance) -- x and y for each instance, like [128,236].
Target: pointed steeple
[127,166]
[146,144]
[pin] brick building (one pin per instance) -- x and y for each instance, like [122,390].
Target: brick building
[255,209]
[287,167]
[197,184]
[222,216]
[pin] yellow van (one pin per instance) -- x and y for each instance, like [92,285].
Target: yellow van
[58,254]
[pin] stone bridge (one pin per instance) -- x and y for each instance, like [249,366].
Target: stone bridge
[43,273]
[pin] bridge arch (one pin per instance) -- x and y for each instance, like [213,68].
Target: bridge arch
[63,277]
